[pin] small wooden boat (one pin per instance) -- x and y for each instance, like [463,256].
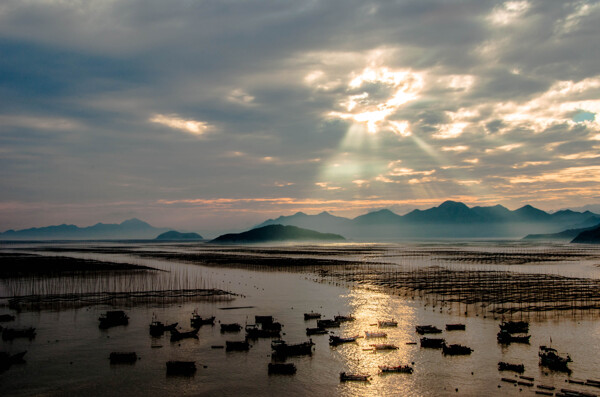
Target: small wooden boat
[185,368]
[177,335]
[433,343]
[263,319]
[234,327]
[198,321]
[113,318]
[13,333]
[519,368]
[335,340]
[387,323]
[373,335]
[345,377]
[506,338]
[427,329]
[456,350]
[316,331]
[237,346]
[123,357]
[328,323]
[157,328]
[455,327]
[550,358]
[514,327]
[384,346]
[343,319]
[312,316]
[254,332]
[404,369]
[282,368]
[282,348]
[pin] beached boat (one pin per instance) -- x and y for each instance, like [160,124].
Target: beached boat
[234,327]
[281,348]
[343,319]
[514,327]
[177,335]
[237,346]
[384,346]
[185,368]
[345,377]
[433,343]
[550,358]
[335,340]
[404,369]
[503,366]
[505,337]
[282,368]
[312,316]
[427,329]
[13,333]
[372,335]
[455,327]
[328,323]
[387,323]
[456,350]
[316,331]
[123,357]
[113,318]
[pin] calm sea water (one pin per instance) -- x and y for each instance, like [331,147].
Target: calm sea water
[69,355]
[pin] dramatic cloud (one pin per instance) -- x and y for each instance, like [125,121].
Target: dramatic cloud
[168,110]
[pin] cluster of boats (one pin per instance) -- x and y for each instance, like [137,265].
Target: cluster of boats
[513,332]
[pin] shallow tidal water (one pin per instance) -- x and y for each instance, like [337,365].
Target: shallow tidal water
[69,355]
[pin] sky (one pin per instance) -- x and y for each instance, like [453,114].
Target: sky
[215,115]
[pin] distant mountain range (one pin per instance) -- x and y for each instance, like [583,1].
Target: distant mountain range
[448,220]
[129,229]
[276,233]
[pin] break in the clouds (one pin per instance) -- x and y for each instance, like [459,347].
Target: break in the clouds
[216,114]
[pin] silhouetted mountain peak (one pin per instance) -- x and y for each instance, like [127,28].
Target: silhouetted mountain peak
[134,223]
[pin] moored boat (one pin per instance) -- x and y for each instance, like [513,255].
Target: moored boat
[387,323]
[234,327]
[113,318]
[328,323]
[237,345]
[346,377]
[177,335]
[13,333]
[456,350]
[405,369]
[197,321]
[549,357]
[343,319]
[455,327]
[433,343]
[505,337]
[157,328]
[312,316]
[503,366]
[282,348]
[316,331]
[514,327]
[372,335]
[384,346]
[335,340]
[427,329]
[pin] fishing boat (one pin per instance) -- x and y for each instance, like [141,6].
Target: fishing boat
[177,335]
[506,338]
[312,316]
[123,357]
[328,323]
[433,343]
[455,327]
[345,377]
[456,350]
[253,331]
[387,323]
[316,331]
[343,319]
[234,327]
[6,317]
[282,368]
[263,319]
[384,346]
[157,328]
[514,327]
[197,321]
[13,333]
[282,348]
[550,358]
[335,340]
[113,318]
[372,335]
[503,366]
[427,329]
[237,346]
[185,368]
[405,369]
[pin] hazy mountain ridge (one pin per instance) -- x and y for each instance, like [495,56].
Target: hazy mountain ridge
[275,233]
[591,236]
[175,235]
[449,219]
[129,229]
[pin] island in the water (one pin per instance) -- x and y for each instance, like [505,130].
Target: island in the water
[276,233]
[588,236]
[175,235]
